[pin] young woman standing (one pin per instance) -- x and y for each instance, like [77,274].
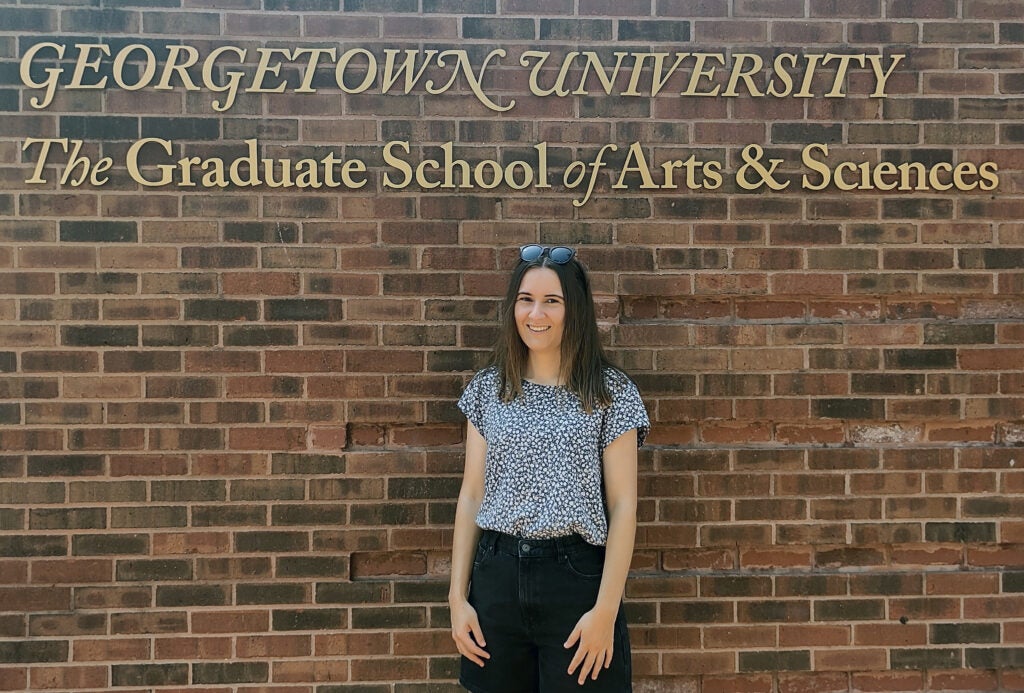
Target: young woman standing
[546,517]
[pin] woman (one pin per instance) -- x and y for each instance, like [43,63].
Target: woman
[546,516]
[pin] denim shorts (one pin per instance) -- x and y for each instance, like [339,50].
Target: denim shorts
[528,595]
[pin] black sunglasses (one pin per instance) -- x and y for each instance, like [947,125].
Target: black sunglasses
[559,254]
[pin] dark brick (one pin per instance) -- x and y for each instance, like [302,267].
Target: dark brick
[141,361]
[319,515]
[411,487]
[491,28]
[67,518]
[182,128]
[96,335]
[10,413]
[307,619]
[398,617]
[261,232]
[397,6]
[419,592]
[992,258]
[1013,581]
[301,310]
[353,593]
[272,593]
[575,29]
[272,542]
[946,333]
[776,611]
[181,388]
[179,335]
[183,491]
[65,465]
[800,133]
[17,545]
[1011,32]
[653,30]
[292,463]
[886,384]
[938,658]
[849,610]
[963,532]
[777,660]
[311,566]
[149,517]
[112,21]
[12,519]
[221,310]
[920,358]
[229,516]
[154,570]
[230,672]
[149,674]
[99,231]
[33,651]
[900,208]
[995,658]
[952,633]
[99,283]
[849,408]
[192,595]
[222,258]
[99,128]
[109,544]
[455,6]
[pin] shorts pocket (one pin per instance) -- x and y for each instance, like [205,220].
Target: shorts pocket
[586,562]
[481,555]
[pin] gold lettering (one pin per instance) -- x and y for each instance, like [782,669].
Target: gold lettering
[844,66]
[559,87]
[881,78]
[132,162]
[234,77]
[397,163]
[263,67]
[782,74]
[989,176]
[699,73]
[310,70]
[818,167]
[636,162]
[739,73]
[147,73]
[173,66]
[84,62]
[52,74]
[393,74]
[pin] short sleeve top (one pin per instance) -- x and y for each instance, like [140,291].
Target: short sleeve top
[542,474]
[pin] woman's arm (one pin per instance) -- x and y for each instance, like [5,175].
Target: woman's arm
[465,625]
[595,629]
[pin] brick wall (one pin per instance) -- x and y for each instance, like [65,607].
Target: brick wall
[230,451]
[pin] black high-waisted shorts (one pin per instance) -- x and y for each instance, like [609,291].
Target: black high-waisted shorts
[528,595]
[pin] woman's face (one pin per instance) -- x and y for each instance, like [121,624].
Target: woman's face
[540,310]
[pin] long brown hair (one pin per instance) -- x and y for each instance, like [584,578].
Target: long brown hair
[582,358]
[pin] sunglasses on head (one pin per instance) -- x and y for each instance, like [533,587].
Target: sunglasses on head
[559,254]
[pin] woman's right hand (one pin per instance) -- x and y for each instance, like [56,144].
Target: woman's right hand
[466,633]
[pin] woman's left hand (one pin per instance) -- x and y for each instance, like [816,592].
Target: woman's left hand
[595,632]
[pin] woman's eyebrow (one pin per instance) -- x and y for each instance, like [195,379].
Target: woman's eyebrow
[527,293]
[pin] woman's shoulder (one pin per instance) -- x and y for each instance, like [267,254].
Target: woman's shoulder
[616,379]
[620,385]
[485,377]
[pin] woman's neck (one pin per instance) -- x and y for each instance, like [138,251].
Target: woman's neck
[544,369]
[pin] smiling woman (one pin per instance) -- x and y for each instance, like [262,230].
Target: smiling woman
[546,517]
